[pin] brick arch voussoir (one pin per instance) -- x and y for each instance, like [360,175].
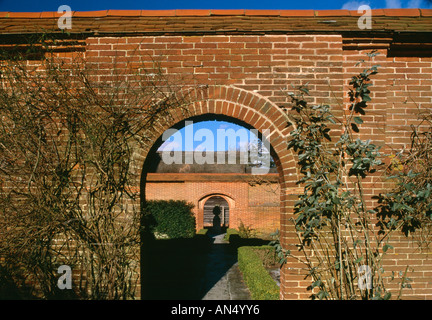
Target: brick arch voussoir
[229,198]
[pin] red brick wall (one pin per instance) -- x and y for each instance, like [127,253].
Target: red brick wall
[256,206]
[262,65]
[245,74]
[401,91]
[409,80]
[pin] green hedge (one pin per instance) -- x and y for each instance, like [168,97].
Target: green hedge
[261,285]
[202,231]
[170,219]
[229,233]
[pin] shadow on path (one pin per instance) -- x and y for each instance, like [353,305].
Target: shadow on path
[184,268]
[187,269]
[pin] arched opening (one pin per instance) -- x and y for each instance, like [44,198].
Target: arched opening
[216,205]
[177,179]
[263,115]
[184,165]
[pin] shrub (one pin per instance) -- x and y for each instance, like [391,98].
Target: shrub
[260,283]
[246,232]
[174,219]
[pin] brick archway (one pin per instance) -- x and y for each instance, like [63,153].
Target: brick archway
[203,200]
[247,107]
[254,111]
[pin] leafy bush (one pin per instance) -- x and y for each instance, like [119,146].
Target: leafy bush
[174,219]
[334,217]
[280,253]
[260,283]
[245,232]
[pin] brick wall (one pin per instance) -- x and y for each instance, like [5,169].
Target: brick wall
[263,65]
[246,64]
[256,206]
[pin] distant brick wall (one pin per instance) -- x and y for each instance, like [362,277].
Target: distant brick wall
[256,206]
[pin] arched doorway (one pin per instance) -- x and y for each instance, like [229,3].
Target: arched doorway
[251,111]
[216,203]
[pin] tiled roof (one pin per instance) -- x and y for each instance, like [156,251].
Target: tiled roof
[240,12]
[216,21]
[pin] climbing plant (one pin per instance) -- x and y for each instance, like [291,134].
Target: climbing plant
[408,206]
[334,221]
[66,156]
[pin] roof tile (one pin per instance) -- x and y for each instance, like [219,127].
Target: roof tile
[374,13]
[332,13]
[402,12]
[297,13]
[114,21]
[101,13]
[158,13]
[426,12]
[124,13]
[262,12]
[378,12]
[187,12]
[49,14]
[24,15]
[239,12]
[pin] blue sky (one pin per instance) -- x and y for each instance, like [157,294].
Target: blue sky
[89,5]
[185,141]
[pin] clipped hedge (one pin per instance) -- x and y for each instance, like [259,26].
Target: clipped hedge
[229,233]
[261,285]
[202,232]
[171,219]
